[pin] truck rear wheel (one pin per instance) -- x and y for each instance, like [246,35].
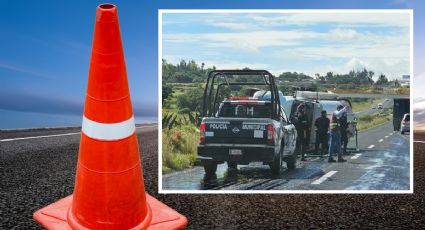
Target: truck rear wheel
[232,165]
[291,162]
[276,165]
[210,168]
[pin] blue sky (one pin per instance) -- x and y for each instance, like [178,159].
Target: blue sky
[45,48]
[308,42]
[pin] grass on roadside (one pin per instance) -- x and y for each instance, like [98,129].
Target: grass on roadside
[360,106]
[179,147]
[371,120]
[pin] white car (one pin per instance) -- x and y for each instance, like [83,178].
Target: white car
[405,123]
[380,106]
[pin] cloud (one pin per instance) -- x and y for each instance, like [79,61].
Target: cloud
[233,25]
[302,42]
[244,41]
[345,19]
[25,70]
[355,64]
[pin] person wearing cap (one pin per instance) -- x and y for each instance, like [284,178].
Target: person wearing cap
[335,134]
[301,124]
[322,128]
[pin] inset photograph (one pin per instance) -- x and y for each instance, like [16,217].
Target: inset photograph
[281,101]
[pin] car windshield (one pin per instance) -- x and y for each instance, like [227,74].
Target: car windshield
[244,110]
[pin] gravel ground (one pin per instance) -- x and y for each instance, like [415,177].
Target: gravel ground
[33,176]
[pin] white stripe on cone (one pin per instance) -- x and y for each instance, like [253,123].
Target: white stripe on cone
[108,132]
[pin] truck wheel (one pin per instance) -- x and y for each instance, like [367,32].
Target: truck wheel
[276,165]
[210,169]
[232,165]
[291,162]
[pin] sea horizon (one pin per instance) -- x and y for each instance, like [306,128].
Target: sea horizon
[11,120]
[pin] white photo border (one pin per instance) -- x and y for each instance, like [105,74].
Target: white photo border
[318,11]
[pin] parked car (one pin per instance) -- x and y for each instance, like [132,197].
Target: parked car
[405,123]
[401,107]
[380,106]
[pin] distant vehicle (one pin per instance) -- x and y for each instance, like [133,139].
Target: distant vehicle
[380,106]
[405,123]
[386,99]
[244,129]
[401,107]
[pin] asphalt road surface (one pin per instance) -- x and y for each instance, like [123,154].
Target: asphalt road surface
[381,164]
[37,172]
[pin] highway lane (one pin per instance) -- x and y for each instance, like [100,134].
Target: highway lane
[32,178]
[38,171]
[382,163]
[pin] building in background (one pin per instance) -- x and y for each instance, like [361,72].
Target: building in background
[405,80]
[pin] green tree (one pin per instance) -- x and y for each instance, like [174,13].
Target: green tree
[191,100]
[382,80]
[167,90]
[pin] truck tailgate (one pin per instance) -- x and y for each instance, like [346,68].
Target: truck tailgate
[236,131]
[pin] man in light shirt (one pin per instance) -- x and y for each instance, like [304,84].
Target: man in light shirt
[335,134]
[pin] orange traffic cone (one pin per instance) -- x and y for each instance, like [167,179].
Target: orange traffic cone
[109,191]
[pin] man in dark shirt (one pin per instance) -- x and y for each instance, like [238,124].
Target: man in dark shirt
[322,128]
[301,125]
[344,133]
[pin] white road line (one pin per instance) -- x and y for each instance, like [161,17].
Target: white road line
[356,156]
[324,177]
[24,138]
[391,134]
[381,140]
[371,146]
[57,135]
[386,136]
[423,142]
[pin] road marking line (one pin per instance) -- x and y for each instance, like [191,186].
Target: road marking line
[57,135]
[386,136]
[356,156]
[24,138]
[423,142]
[371,146]
[391,134]
[324,177]
[381,140]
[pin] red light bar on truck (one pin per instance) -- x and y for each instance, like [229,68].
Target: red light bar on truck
[238,98]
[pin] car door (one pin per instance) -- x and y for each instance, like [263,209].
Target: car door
[289,133]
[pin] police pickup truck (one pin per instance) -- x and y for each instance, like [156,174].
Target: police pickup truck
[244,129]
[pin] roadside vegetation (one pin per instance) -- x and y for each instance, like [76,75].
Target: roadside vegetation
[360,105]
[377,118]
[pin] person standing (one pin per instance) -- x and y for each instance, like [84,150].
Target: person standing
[335,134]
[322,128]
[344,133]
[301,125]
